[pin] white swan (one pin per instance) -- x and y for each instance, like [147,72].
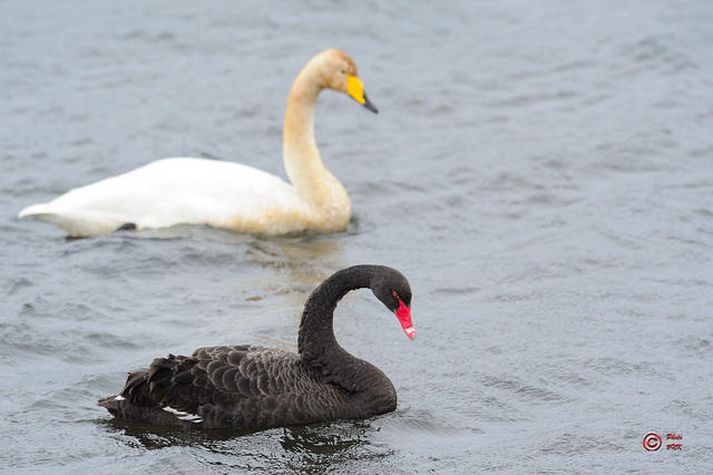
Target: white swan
[224,194]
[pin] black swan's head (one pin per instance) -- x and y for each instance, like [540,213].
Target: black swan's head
[392,288]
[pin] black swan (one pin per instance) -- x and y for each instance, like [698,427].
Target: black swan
[253,388]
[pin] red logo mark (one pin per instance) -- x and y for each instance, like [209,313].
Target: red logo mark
[652,441]
[674,446]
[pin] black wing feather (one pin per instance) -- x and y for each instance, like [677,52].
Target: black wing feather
[235,386]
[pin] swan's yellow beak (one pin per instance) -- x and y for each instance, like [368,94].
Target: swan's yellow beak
[355,89]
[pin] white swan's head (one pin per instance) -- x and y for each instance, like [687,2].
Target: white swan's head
[335,69]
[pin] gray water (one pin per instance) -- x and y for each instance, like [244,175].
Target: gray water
[542,172]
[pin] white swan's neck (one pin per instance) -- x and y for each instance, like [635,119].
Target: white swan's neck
[314,183]
[300,152]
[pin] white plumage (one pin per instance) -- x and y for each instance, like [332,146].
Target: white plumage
[225,194]
[172,191]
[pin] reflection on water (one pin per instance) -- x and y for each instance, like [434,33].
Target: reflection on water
[325,439]
[299,264]
[315,449]
[323,447]
[297,255]
[158,437]
[305,259]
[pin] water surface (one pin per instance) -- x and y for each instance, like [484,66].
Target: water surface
[542,172]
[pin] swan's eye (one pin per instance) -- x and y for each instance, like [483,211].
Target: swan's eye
[393,292]
[343,71]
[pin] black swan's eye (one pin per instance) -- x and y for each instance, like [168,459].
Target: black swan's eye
[393,292]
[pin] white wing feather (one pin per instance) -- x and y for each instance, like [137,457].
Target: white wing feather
[173,191]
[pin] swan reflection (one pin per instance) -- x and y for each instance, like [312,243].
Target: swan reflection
[325,439]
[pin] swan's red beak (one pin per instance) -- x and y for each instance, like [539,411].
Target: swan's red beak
[403,313]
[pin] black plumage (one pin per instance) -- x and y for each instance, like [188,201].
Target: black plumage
[253,388]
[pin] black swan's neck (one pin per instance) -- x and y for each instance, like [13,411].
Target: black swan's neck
[316,343]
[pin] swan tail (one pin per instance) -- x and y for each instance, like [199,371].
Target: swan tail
[36,211]
[77,223]
[129,398]
[136,403]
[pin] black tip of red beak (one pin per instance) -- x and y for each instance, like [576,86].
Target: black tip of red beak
[369,105]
